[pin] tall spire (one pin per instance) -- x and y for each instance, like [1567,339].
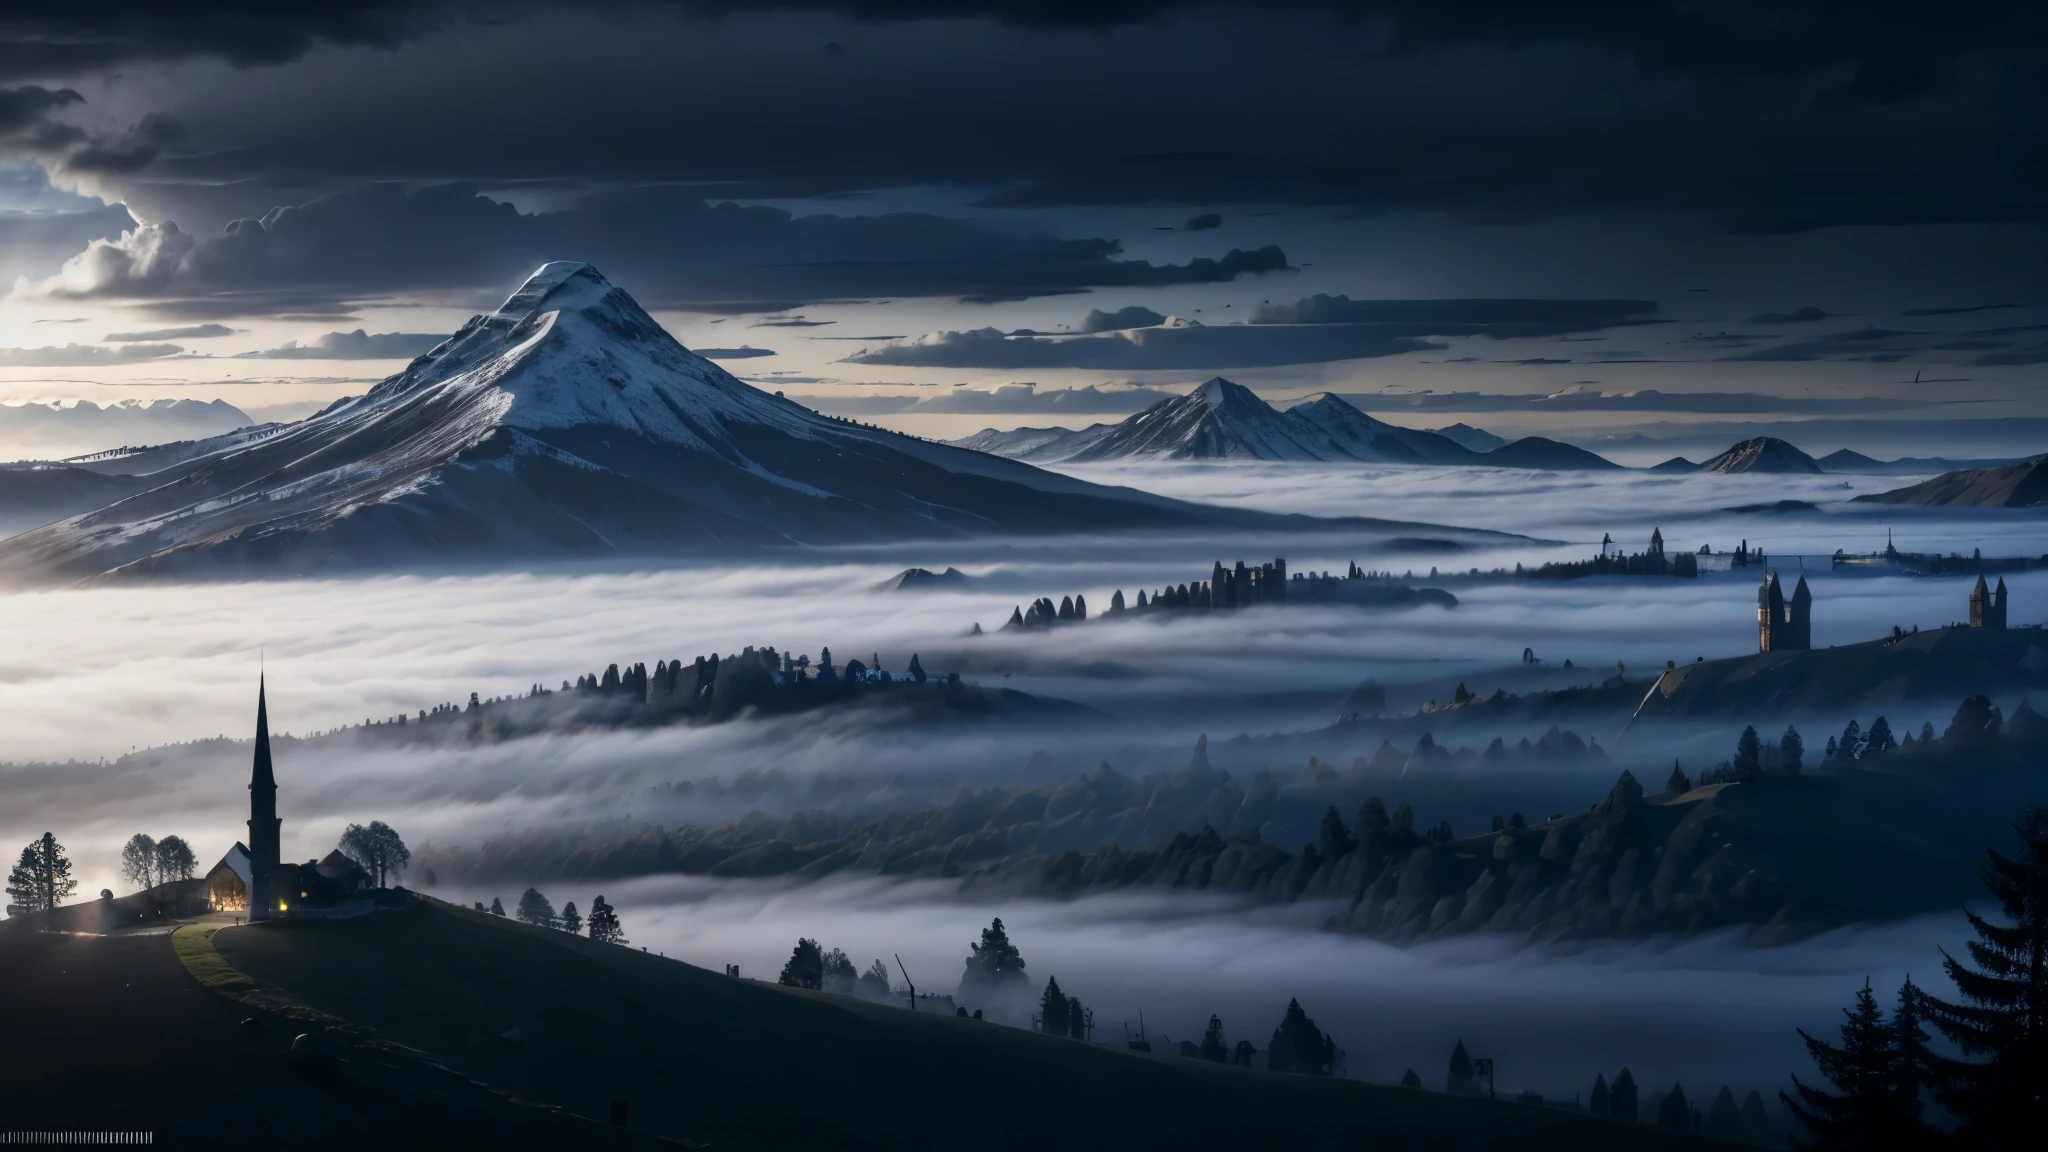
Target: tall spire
[264,825]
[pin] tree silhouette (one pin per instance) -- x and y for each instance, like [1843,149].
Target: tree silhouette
[1052,1009]
[572,920]
[1867,1108]
[805,967]
[41,879]
[1748,754]
[1458,1081]
[533,908]
[174,859]
[378,848]
[1679,783]
[1791,751]
[839,974]
[497,907]
[1298,1046]
[1621,1098]
[993,964]
[1600,1103]
[874,983]
[1673,1112]
[603,923]
[2001,1014]
[1724,1119]
[138,861]
[1880,738]
[1213,1046]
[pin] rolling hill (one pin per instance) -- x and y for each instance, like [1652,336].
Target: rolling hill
[738,1063]
[2022,485]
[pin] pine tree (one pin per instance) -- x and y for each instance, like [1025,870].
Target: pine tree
[1298,1046]
[1791,751]
[1748,754]
[1679,783]
[1915,1062]
[993,964]
[2001,1014]
[41,879]
[1408,1079]
[497,907]
[1052,1009]
[1866,1110]
[1621,1100]
[603,924]
[1600,1104]
[572,920]
[1851,747]
[1213,1046]
[1674,1112]
[805,967]
[1724,1118]
[1880,738]
[1458,1081]
[874,983]
[534,908]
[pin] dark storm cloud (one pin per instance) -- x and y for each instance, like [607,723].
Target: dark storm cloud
[1497,318]
[1861,344]
[1505,112]
[1308,331]
[674,250]
[1194,347]
[1134,316]
[1888,49]
[1641,400]
[356,345]
[1804,315]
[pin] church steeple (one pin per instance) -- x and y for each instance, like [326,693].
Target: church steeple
[264,825]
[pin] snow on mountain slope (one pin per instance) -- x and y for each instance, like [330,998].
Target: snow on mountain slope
[1361,437]
[566,424]
[1013,443]
[1217,421]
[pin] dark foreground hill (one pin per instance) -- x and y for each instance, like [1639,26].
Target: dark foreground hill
[110,1033]
[734,1063]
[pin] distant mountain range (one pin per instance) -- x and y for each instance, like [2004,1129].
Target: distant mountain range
[54,431]
[567,424]
[1222,420]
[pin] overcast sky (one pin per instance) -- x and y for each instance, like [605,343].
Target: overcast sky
[1754,212]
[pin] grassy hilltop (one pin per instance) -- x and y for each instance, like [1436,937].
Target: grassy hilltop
[738,1063]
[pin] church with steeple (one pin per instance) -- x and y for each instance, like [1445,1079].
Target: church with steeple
[254,877]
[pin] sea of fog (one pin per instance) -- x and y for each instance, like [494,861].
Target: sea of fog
[93,674]
[89,675]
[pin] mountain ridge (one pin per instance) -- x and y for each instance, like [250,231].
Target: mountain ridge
[567,425]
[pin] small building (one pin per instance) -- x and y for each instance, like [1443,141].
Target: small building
[228,883]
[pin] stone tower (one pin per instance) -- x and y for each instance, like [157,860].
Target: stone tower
[265,829]
[1656,542]
[1783,625]
[1987,608]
